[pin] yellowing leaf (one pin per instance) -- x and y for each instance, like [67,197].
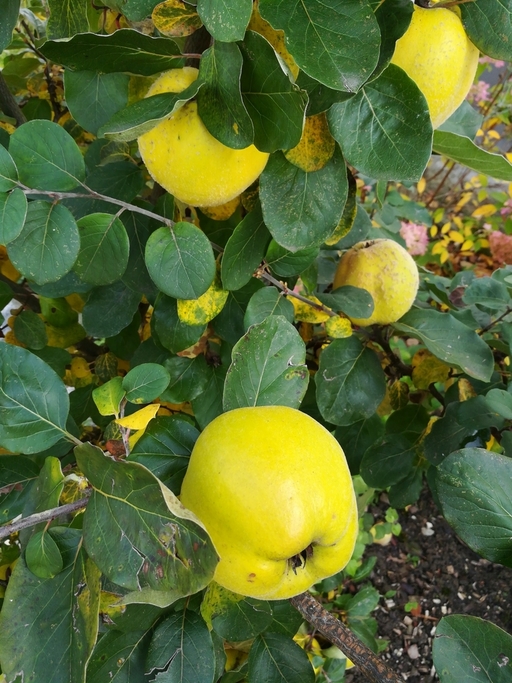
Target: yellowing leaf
[175,18]
[421,186]
[306,313]
[484,210]
[62,337]
[6,267]
[108,397]
[468,245]
[466,196]
[466,390]
[201,311]
[140,419]
[338,327]
[434,230]
[494,134]
[274,37]
[446,228]
[316,145]
[216,599]
[427,369]
[399,394]
[80,367]
[456,236]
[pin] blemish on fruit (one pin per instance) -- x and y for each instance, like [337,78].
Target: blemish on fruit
[251,577]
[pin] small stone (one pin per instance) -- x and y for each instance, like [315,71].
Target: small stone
[413,651]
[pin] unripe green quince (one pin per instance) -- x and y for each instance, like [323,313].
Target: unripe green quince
[273,489]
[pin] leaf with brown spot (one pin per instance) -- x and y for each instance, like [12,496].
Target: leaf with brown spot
[316,145]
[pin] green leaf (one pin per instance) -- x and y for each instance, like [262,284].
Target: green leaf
[488,24]
[392,113]
[450,341]
[182,649]
[472,486]
[47,157]
[336,43]
[69,602]
[170,331]
[445,436]
[48,244]
[387,463]
[394,17]
[159,546]
[57,311]
[11,10]
[267,301]
[145,382]
[19,474]
[67,17]
[33,401]
[120,657]
[464,151]
[286,263]
[189,377]
[43,556]
[93,98]
[487,292]
[242,619]
[270,96]
[356,439]
[353,301]
[364,602]
[464,121]
[500,401]
[13,211]
[165,449]
[219,101]
[108,396]
[143,115]
[275,658]
[30,330]
[470,649]
[104,249]
[225,20]
[268,367]
[136,275]
[244,250]
[350,382]
[180,261]
[302,209]
[109,310]
[8,171]
[125,50]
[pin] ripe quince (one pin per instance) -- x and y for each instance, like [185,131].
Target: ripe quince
[386,270]
[185,159]
[273,489]
[437,55]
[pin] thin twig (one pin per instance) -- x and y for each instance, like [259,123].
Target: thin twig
[8,103]
[96,195]
[261,274]
[38,517]
[496,321]
[336,632]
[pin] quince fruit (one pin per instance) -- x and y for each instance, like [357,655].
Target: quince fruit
[186,160]
[387,271]
[273,489]
[437,55]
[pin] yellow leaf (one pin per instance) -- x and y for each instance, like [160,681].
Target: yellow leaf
[458,222]
[201,311]
[175,18]
[6,267]
[468,245]
[456,236]
[316,145]
[446,228]
[421,186]
[274,36]
[63,337]
[466,390]
[509,156]
[80,367]
[434,230]
[463,201]
[140,419]
[308,314]
[483,243]
[338,327]
[484,210]
[134,437]
[108,396]
[426,369]
[494,134]
[444,257]
[438,248]
[399,394]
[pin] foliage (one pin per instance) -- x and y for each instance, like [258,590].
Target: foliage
[133,320]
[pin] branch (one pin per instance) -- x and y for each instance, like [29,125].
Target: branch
[262,275]
[103,197]
[336,632]
[8,529]
[8,103]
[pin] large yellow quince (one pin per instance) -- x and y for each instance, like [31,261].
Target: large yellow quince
[437,55]
[186,160]
[273,489]
[387,271]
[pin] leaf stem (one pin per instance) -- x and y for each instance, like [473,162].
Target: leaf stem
[38,517]
[261,274]
[336,632]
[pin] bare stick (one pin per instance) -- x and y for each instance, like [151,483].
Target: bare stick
[336,632]
[8,529]
[263,275]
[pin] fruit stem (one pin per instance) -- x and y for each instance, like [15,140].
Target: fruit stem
[337,633]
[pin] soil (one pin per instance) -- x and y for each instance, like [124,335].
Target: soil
[427,564]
